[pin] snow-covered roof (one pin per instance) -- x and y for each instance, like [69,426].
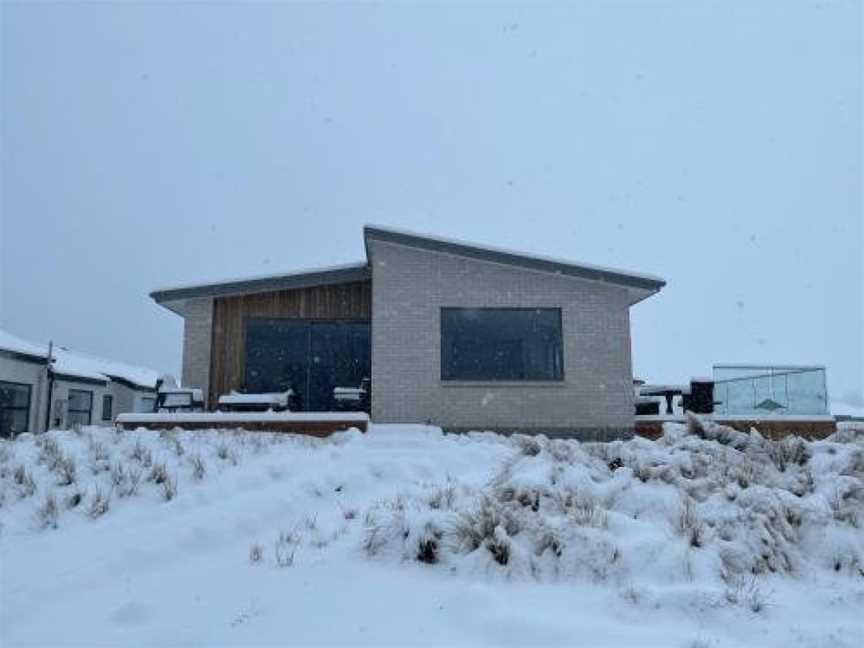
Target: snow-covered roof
[323,276]
[642,284]
[14,344]
[513,257]
[79,364]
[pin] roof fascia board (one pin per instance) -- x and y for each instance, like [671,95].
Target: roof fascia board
[266,284]
[509,258]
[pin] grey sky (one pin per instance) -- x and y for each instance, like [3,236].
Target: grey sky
[716,144]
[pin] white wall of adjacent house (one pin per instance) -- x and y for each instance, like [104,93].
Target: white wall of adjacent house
[128,400]
[32,375]
[80,402]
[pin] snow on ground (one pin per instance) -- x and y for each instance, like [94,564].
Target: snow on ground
[706,537]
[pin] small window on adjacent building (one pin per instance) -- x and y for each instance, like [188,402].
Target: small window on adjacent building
[80,407]
[107,407]
[148,404]
[489,344]
[14,408]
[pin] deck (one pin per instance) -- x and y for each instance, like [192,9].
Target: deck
[772,427]
[318,424]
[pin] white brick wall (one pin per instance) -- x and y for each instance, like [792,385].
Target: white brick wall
[197,339]
[409,287]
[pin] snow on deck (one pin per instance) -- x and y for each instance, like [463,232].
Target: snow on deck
[276,399]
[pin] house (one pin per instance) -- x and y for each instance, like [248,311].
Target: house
[78,388]
[454,334]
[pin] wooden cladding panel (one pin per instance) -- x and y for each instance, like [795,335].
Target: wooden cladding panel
[349,301]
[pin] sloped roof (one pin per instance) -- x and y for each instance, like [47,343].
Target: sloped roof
[172,297]
[81,365]
[513,258]
[297,279]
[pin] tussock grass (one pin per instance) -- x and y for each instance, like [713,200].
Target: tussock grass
[48,513]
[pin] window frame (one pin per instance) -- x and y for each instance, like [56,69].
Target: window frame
[153,402]
[69,409]
[109,398]
[446,381]
[19,408]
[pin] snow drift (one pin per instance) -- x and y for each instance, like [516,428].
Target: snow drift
[132,537]
[702,503]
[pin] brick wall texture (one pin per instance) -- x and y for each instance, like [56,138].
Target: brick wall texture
[197,338]
[410,286]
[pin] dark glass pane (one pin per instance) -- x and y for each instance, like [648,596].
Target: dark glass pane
[501,344]
[277,353]
[310,357]
[13,421]
[80,400]
[14,395]
[107,407]
[340,358]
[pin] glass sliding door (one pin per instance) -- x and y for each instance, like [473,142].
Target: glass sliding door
[340,357]
[310,357]
[277,352]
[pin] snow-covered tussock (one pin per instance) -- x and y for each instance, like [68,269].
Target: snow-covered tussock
[68,476]
[704,501]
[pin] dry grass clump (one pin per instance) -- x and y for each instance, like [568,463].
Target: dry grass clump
[688,524]
[225,453]
[789,451]
[158,474]
[169,488]
[141,454]
[99,504]
[479,527]
[24,481]
[285,547]
[125,481]
[256,554]
[66,471]
[170,438]
[199,468]
[746,590]
[99,457]
[48,513]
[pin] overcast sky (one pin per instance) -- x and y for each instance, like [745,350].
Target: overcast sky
[718,146]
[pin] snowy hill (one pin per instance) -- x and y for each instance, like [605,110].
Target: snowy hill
[707,537]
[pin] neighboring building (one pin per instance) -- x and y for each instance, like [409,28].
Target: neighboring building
[79,388]
[458,335]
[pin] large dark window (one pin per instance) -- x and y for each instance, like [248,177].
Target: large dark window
[80,407]
[501,344]
[310,357]
[14,408]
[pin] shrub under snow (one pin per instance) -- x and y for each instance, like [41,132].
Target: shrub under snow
[704,501]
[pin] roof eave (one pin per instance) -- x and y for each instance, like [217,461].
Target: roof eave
[324,277]
[511,259]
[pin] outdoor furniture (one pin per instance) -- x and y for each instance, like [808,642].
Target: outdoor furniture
[648,405]
[666,391]
[352,398]
[179,399]
[237,402]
